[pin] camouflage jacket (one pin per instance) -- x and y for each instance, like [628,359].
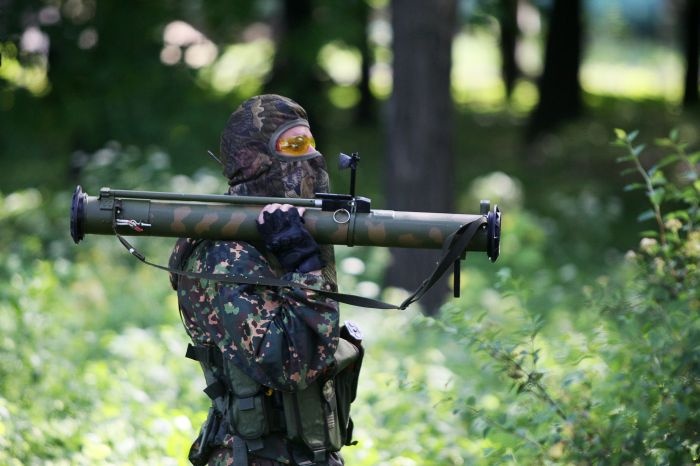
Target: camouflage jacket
[283,338]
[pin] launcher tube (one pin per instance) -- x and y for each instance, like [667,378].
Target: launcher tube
[135,215]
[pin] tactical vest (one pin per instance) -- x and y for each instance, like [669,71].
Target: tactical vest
[317,417]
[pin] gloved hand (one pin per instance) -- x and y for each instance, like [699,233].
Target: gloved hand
[282,230]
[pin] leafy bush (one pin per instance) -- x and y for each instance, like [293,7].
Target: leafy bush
[91,357]
[603,373]
[647,410]
[76,391]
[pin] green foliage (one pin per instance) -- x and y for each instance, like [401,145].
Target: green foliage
[525,369]
[539,362]
[650,305]
[78,388]
[90,350]
[657,186]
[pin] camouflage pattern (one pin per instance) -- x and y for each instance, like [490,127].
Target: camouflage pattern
[280,337]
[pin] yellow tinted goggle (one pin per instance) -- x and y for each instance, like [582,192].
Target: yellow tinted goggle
[296,145]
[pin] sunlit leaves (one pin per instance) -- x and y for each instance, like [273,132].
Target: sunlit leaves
[30,74]
[242,67]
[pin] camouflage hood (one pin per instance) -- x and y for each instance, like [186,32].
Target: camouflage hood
[250,166]
[253,170]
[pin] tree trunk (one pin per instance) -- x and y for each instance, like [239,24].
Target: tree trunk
[366,108]
[508,19]
[691,42]
[420,165]
[559,86]
[295,69]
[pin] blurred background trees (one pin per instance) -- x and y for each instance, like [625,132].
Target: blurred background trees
[447,102]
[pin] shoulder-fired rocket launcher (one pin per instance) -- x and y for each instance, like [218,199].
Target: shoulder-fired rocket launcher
[331,219]
[338,219]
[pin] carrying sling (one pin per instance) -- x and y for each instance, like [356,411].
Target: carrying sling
[454,249]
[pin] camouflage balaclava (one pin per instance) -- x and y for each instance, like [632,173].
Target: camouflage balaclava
[254,169]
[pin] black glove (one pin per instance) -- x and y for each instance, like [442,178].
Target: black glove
[285,236]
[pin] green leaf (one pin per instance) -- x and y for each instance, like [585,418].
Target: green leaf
[673,135]
[657,196]
[649,234]
[620,134]
[646,215]
[669,159]
[638,149]
[688,194]
[634,186]
[679,214]
[657,177]
[632,136]
[663,142]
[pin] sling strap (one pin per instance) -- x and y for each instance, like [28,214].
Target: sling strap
[454,248]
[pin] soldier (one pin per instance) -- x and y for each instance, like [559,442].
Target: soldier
[280,377]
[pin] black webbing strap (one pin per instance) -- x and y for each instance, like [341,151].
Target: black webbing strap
[209,356]
[215,390]
[454,248]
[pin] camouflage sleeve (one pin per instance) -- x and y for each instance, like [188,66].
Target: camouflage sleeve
[283,338]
